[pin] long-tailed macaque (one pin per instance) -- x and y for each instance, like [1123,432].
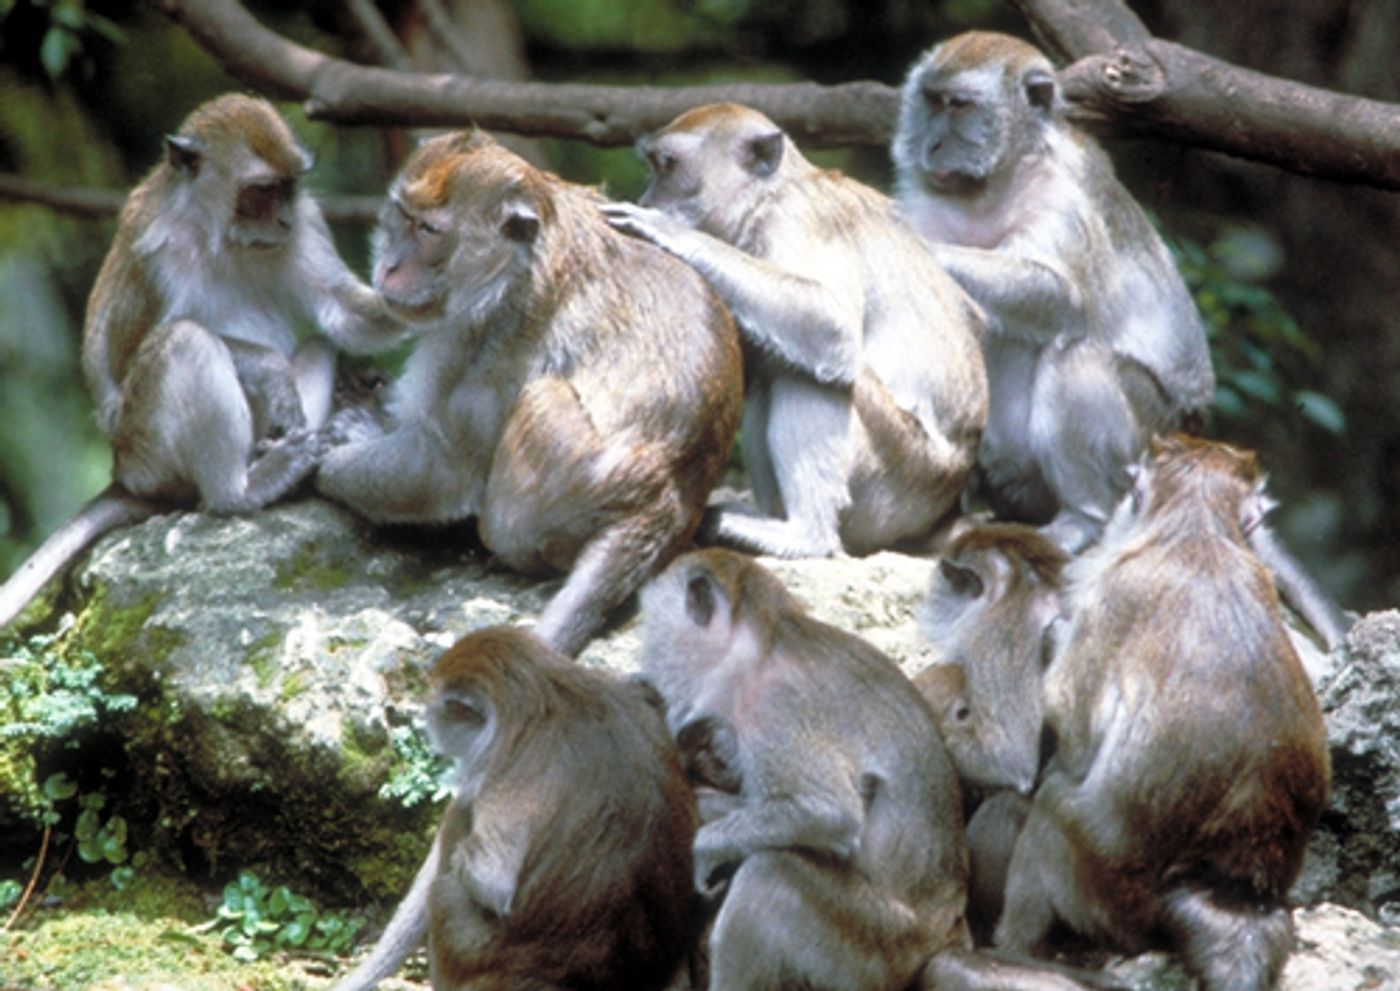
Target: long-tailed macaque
[865,394]
[832,824]
[574,390]
[1190,761]
[189,344]
[564,858]
[1094,343]
[995,600]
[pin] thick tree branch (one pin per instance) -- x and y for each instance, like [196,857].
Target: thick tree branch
[1155,88]
[1123,77]
[336,90]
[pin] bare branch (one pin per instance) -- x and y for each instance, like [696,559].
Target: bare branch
[371,24]
[99,204]
[1071,29]
[332,89]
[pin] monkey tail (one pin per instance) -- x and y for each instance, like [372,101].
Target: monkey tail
[1299,589]
[112,508]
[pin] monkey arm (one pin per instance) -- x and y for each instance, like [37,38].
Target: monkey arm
[487,864]
[1016,292]
[121,310]
[817,818]
[351,314]
[813,324]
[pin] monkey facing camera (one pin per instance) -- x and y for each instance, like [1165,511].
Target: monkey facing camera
[189,349]
[575,391]
[564,859]
[1094,342]
[831,827]
[865,392]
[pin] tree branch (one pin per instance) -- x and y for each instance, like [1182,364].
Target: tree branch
[1155,88]
[336,90]
[1125,77]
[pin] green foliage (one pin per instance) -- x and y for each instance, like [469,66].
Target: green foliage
[257,921]
[47,698]
[1261,355]
[422,773]
[68,26]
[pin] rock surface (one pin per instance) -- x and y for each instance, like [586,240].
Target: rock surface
[280,658]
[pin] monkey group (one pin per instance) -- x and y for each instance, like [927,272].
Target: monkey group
[1118,738]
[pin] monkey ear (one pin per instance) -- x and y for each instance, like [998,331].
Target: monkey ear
[521,223]
[183,154]
[700,600]
[961,579]
[1256,506]
[1040,89]
[765,154]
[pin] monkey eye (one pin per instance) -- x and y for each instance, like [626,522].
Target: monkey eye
[463,710]
[663,163]
[936,101]
[431,230]
[961,713]
[959,102]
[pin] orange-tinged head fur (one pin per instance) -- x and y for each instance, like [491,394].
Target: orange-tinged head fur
[235,119]
[458,167]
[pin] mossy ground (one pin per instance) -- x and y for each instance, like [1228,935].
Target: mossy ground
[145,938]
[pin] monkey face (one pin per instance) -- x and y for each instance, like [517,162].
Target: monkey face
[969,109]
[411,250]
[709,164]
[264,212]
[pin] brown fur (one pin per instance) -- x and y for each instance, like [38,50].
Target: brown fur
[579,773]
[582,389]
[1191,762]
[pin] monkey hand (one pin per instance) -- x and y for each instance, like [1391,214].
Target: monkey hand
[715,863]
[351,425]
[651,225]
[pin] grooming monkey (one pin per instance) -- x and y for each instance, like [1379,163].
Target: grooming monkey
[1190,761]
[189,345]
[830,816]
[865,393]
[564,859]
[574,390]
[1094,343]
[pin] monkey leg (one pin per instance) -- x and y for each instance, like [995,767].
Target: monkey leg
[808,438]
[1086,434]
[1008,475]
[991,840]
[403,476]
[788,921]
[905,481]
[562,497]
[270,388]
[185,427]
[1229,944]
[313,364]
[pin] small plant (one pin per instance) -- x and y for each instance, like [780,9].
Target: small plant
[1261,355]
[421,775]
[257,921]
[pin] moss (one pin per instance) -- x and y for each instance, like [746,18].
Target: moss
[293,684]
[119,635]
[365,755]
[310,568]
[145,936]
[388,872]
[262,657]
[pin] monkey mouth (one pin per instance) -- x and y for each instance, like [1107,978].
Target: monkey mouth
[415,309]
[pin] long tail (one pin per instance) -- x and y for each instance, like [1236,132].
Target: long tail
[1299,589]
[113,507]
[405,932]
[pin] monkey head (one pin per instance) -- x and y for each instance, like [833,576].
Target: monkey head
[458,229]
[971,107]
[236,166]
[1180,472]
[991,613]
[710,165]
[466,687]
[711,613]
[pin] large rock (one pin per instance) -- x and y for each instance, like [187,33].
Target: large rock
[280,660]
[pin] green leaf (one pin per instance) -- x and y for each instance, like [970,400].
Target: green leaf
[294,933]
[60,786]
[56,49]
[1320,410]
[122,878]
[245,953]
